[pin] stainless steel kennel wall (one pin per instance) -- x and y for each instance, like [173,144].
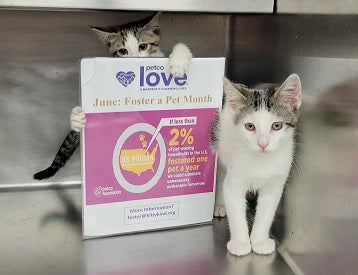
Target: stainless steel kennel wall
[40,50]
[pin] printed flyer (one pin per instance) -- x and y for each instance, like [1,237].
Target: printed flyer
[146,157]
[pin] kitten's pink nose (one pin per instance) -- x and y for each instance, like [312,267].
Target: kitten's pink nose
[263,145]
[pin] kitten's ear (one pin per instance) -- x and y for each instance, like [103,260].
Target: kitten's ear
[290,91]
[153,24]
[234,96]
[104,36]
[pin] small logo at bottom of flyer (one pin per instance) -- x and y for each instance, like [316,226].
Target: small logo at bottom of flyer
[100,191]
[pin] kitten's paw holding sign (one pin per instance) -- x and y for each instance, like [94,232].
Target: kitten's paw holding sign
[179,60]
[239,248]
[266,246]
[78,119]
[219,211]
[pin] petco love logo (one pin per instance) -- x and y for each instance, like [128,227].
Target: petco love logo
[152,77]
[125,78]
[155,75]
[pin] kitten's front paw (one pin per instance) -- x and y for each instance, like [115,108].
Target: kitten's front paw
[219,211]
[78,119]
[179,60]
[266,246]
[239,248]
[178,66]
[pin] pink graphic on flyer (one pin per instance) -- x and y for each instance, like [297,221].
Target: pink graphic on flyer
[148,154]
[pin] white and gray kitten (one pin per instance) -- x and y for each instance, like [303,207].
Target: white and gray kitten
[254,138]
[136,39]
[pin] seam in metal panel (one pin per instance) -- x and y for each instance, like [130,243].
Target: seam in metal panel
[17,187]
[290,262]
[230,30]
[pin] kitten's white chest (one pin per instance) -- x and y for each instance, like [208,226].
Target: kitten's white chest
[255,170]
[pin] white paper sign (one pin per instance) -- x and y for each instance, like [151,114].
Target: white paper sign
[146,157]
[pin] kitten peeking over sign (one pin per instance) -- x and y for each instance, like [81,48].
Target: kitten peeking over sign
[254,138]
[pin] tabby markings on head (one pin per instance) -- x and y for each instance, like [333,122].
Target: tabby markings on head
[137,39]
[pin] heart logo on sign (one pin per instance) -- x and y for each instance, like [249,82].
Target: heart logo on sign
[125,78]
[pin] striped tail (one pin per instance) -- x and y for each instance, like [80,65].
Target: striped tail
[68,146]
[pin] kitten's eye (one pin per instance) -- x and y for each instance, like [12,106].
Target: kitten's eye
[276,126]
[121,52]
[250,126]
[143,47]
